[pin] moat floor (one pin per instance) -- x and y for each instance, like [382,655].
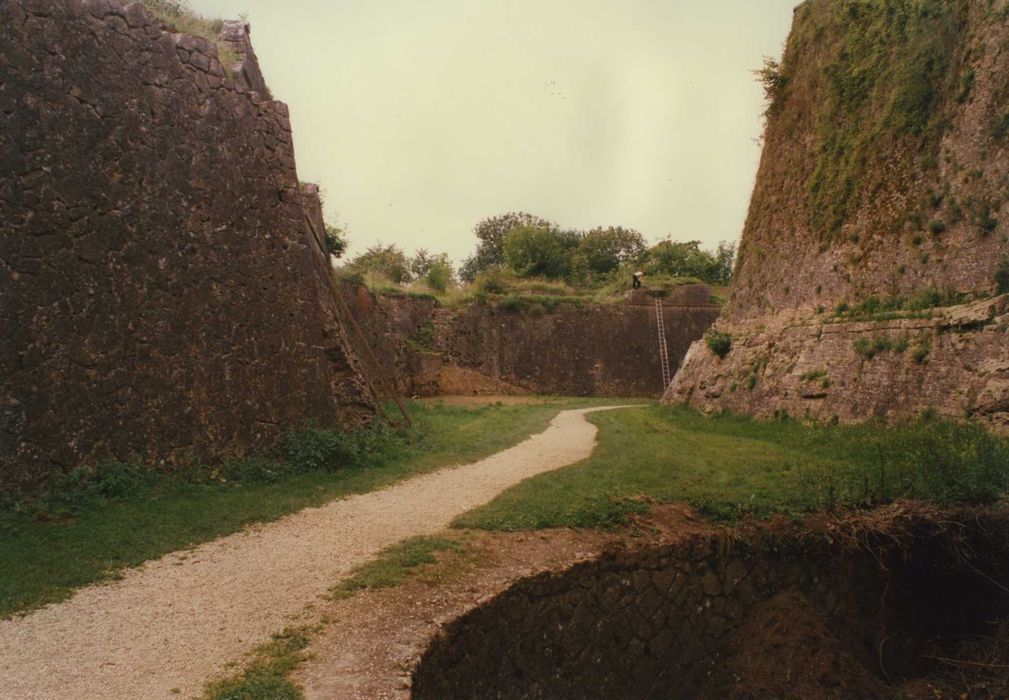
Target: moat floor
[172,624]
[373,640]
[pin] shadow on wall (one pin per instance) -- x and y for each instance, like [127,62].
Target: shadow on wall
[861,613]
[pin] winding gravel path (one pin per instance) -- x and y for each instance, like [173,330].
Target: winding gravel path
[175,622]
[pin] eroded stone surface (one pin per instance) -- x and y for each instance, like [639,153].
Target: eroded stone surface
[928,212]
[885,245]
[956,363]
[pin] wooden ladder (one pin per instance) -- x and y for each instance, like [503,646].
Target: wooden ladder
[667,376]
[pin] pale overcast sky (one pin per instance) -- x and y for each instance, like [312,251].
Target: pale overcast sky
[420,117]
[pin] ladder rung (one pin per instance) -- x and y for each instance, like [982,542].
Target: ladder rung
[660,324]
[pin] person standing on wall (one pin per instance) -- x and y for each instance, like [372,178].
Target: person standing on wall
[636,282]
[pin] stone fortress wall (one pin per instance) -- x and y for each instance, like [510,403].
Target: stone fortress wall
[162,294]
[816,612]
[572,350]
[874,256]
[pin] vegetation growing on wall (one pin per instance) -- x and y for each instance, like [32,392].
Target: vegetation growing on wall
[773,79]
[179,15]
[1002,276]
[718,342]
[884,90]
[876,308]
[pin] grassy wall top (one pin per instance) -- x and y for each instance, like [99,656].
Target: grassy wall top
[184,19]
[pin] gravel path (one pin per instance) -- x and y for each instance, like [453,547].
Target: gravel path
[171,624]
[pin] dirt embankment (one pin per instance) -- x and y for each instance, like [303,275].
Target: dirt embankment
[901,601]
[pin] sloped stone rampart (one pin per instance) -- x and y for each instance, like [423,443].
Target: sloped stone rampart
[160,294]
[882,184]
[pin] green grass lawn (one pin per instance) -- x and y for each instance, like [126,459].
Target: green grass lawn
[50,547]
[729,466]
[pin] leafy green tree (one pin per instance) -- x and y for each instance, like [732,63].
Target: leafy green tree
[421,262]
[604,250]
[678,259]
[389,261]
[336,241]
[439,276]
[534,251]
[725,259]
[531,246]
[435,270]
[472,267]
[491,234]
[686,259]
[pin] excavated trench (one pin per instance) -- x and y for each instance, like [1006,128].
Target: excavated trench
[897,603]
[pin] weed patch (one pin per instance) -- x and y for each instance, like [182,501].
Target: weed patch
[718,342]
[1002,276]
[884,309]
[266,677]
[179,15]
[870,347]
[423,339]
[393,565]
[885,83]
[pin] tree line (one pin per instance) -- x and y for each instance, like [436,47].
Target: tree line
[529,246]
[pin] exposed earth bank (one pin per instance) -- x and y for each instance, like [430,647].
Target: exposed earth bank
[903,600]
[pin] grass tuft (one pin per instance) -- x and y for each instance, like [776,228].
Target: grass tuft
[393,565]
[266,677]
[180,15]
[719,343]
